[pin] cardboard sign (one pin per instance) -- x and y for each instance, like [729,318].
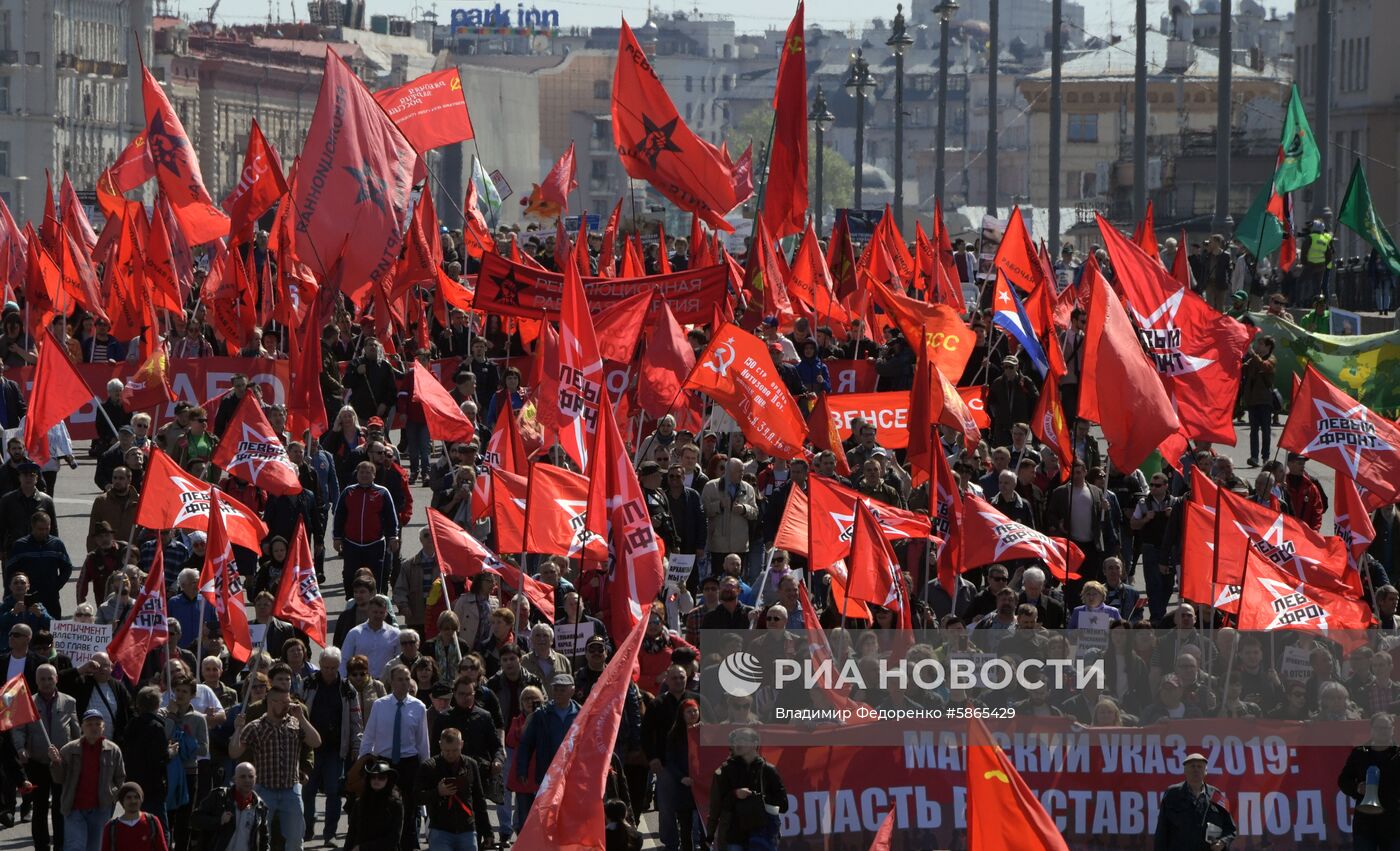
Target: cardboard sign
[679,568]
[79,641]
[569,638]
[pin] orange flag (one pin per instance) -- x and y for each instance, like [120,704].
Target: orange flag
[59,391]
[821,430]
[299,599]
[1002,811]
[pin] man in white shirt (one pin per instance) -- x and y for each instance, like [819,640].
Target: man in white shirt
[19,660]
[397,730]
[374,639]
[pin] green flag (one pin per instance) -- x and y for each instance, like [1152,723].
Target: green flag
[1259,231]
[1299,159]
[1359,214]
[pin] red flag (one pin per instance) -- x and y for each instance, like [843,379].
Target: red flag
[1048,421]
[827,527]
[607,256]
[17,704]
[1352,522]
[561,180]
[161,276]
[1197,350]
[1339,432]
[42,283]
[950,340]
[253,452]
[1273,598]
[1181,265]
[615,498]
[132,167]
[222,587]
[59,391]
[822,432]
[306,406]
[1002,811]
[762,272]
[580,370]
[556,515]
[173,499]
[566,814]
[260,184]
[785,195]
[809,273]
[1145,237]
[989,536]
[49,226]
[150,385]
[509,493]
[351,194]
[656,146]
[78,275]
[299,599]
[74,218]
[177,168]
[841,257]
[874,571]
[934,401]
[430,110]
[669,360]
[737,371]
[1137,415]
[445,419]
[881,842]
[145,628]
[618,328]
[1017,258]
[839,696]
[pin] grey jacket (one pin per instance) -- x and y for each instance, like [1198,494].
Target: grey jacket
[111,774]
[352,722]
[62,728]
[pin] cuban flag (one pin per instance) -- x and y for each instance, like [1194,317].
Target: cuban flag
[1010,316]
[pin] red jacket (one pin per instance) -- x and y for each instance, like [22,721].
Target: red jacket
[655,658]
[1305,499]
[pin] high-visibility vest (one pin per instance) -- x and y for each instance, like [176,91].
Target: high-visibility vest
[1317,248]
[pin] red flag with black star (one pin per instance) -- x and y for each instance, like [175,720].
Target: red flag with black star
[177,168]
[299,600]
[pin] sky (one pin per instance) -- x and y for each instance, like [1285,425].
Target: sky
[1102,17]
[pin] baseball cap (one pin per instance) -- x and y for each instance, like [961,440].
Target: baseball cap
[648,468]
[93,713]
[1241,295]
[375,421]
[770,321]
[1010,360]
[27,467]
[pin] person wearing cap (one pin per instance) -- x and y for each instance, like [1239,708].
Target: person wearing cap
[1194,816]
[378,820]
[89,770]
[1239,305]
[19,505]
[1066,270]
[1010,399]
[397,731]
[1305,498]
[768,333]
[234,818]
[545,731]
[1319,319]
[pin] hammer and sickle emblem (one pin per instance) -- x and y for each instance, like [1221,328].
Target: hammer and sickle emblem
[996,775]
[794,44]
[456,84]
[723,359]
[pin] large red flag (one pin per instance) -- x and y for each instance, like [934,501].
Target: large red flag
[616,500]
[561,180]
[73,217]
[17,704]
[1197,350]
[509,493]
[1337,431]
[1016,256]
[352,188]
[59,391]
[161,275]
[946,517]
[259,185]
[618,328]
[430,110]
[873,570]
[567,814]
[299,599]
[1048,421]
[580,370]
[556,515]
[150,385]
[445,419]
[950,340]
[989,536]
[1002,811]
[173,499]
[656,146]
[738,372]
[250,450]
[177,168]
[607,256]
[785,194]
[1135,412]
[145,628]
[1352,522]
[1273,598]
[669,360]
[831,513]
[306,405]
[222,586]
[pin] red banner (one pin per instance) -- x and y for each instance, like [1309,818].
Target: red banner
[1102,786]
[430,110]
[510,289]
[888,412]
[852,376]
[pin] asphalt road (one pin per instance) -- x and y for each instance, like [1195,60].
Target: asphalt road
[75,492]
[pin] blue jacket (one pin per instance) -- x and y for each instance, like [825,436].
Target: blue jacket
[186,611]
[814,374]
[543,735]
[322,463]
[46,564]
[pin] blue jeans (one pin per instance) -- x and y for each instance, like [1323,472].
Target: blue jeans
[418,446]
[1261,431]
[441,840]
[82,829]
[666,793]
[326,777]
[1385,291]
[1159,585]
[284,805]
[505,810]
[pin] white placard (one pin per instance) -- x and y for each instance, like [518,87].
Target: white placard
[79,641]
[679,567]
[1091,633]
[258,633]
[1294,664]
[569,638]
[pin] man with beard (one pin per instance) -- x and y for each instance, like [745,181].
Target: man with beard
[730,613]
[989,630]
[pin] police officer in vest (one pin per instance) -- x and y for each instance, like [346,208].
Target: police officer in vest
[1194,815]
[1317,259]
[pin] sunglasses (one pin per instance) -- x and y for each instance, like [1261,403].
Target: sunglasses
[776,619]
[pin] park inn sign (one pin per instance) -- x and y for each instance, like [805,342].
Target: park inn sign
[493,17]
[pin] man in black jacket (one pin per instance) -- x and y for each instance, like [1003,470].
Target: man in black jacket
[227,812]
[12,404]
[146,752]
[1375,830]
[656,727]
[1194,815]
[449,785]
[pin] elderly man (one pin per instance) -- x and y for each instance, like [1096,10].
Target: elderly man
[274,743]
[731,505]
[186,607]
[234,818]
[544,661]
[57,725]
[1049,610]
[89,770]
[335,712]
[1193,815]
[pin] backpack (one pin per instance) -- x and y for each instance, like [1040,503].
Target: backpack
[152,824]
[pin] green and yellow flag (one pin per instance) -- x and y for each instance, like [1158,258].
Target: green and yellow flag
[1359,214]
[1299,159]
[1364,365]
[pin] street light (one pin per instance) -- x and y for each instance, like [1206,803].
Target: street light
[945,11]
[898,42]
[821,119]
[860,82]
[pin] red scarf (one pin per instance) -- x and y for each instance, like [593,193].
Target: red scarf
[242,802]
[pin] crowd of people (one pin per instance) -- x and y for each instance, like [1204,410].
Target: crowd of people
[441,703]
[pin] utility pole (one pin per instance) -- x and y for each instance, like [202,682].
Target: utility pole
[1057,58]
[1323,187]
[1221,222]
[993,110]
[1140,116]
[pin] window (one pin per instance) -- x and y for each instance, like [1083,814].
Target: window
[689,112]
[4,94]
[598,170]
[4,159]
[1083,127]
[601,90]
[689,83]
[602,129]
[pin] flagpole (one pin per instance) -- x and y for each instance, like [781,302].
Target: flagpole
[1230,663]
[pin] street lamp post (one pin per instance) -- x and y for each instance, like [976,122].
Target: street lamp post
[944,10]
[993,118]
[860,82]
[898,42]
[821,119]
